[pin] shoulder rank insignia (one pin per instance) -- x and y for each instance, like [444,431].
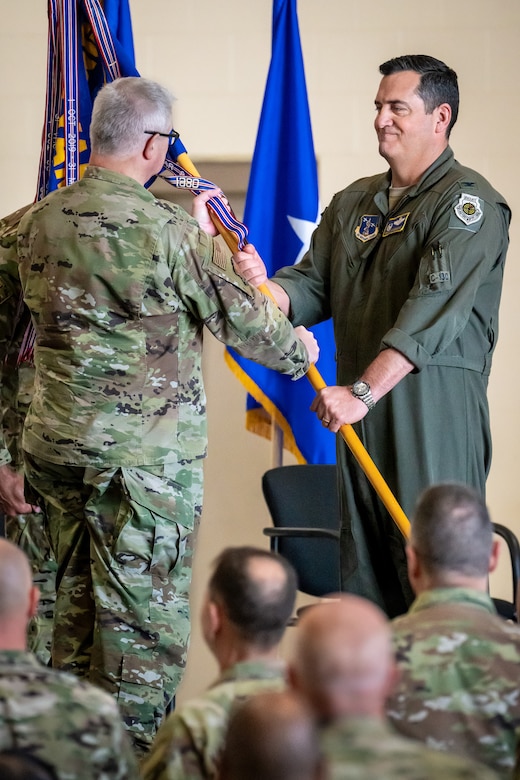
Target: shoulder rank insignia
[368,227]
[469,209]
[396,224]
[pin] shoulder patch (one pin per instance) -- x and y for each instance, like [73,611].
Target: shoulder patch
[219,258]
[469,209]
[9,224]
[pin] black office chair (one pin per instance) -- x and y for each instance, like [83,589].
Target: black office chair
[303,504]
[507,609]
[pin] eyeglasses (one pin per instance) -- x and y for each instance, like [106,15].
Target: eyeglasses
[171,136]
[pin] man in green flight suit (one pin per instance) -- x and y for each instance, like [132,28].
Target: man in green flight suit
[409,264]
[120,286]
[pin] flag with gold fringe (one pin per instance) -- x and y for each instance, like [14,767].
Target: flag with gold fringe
[88,45]
[281,211]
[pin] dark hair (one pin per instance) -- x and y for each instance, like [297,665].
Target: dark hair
[257,607]
[272,735]
[452,530]
[438,81]
[20,765]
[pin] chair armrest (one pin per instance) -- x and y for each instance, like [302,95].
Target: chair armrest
[286,532]
[514,551]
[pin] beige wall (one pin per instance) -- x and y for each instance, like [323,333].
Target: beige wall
[215,57]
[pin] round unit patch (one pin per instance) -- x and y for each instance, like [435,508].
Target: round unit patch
[469,209]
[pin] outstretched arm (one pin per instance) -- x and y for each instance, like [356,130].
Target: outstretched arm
[250,266]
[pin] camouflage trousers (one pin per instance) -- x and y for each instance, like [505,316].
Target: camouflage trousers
[123,540]
[29,533]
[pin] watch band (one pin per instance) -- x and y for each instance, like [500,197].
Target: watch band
[361,389]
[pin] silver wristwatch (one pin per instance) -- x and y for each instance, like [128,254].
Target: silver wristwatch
[361,389]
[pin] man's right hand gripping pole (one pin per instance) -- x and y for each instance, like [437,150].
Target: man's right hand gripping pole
[250,266]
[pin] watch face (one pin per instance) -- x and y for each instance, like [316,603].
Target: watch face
[360,387]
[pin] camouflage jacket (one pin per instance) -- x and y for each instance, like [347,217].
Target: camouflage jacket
[69,724]
[120,285]
[189,742]
[16,382]
[459,668]
[364,748]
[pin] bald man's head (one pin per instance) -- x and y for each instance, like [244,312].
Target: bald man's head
[18,597]
[272,736]
[15,580]
[343,659]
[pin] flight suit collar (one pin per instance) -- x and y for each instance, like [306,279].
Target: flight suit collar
[430,177]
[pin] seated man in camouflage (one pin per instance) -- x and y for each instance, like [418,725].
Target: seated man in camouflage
[272,736]
[249,600]
[343,665]
[72,727]
[458,660]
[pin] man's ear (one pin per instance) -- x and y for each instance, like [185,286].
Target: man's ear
[149,147]
[412,560]
[443,118]
[392,678]
[495,555]
[34,599]
[214,615]
[292,678]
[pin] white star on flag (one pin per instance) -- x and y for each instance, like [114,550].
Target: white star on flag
[304,229]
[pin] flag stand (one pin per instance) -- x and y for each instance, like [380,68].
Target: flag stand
[276,445]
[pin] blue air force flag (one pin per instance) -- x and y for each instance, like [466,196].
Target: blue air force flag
[282,209]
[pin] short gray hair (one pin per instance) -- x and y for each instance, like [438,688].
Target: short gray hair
[451,530]
[123,110]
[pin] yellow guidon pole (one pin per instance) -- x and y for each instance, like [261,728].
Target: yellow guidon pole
[313,375]
[372,473]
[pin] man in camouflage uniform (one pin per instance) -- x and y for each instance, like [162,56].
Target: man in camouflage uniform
[23,524]
[344,667]
[70,725]
[272,736]
[120,286]
[458,660]
[249,600]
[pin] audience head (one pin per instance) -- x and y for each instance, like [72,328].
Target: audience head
[123,111]
[342,661]
[272,736]
[451,540]
[21,765]
[251,593]
[18,596]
